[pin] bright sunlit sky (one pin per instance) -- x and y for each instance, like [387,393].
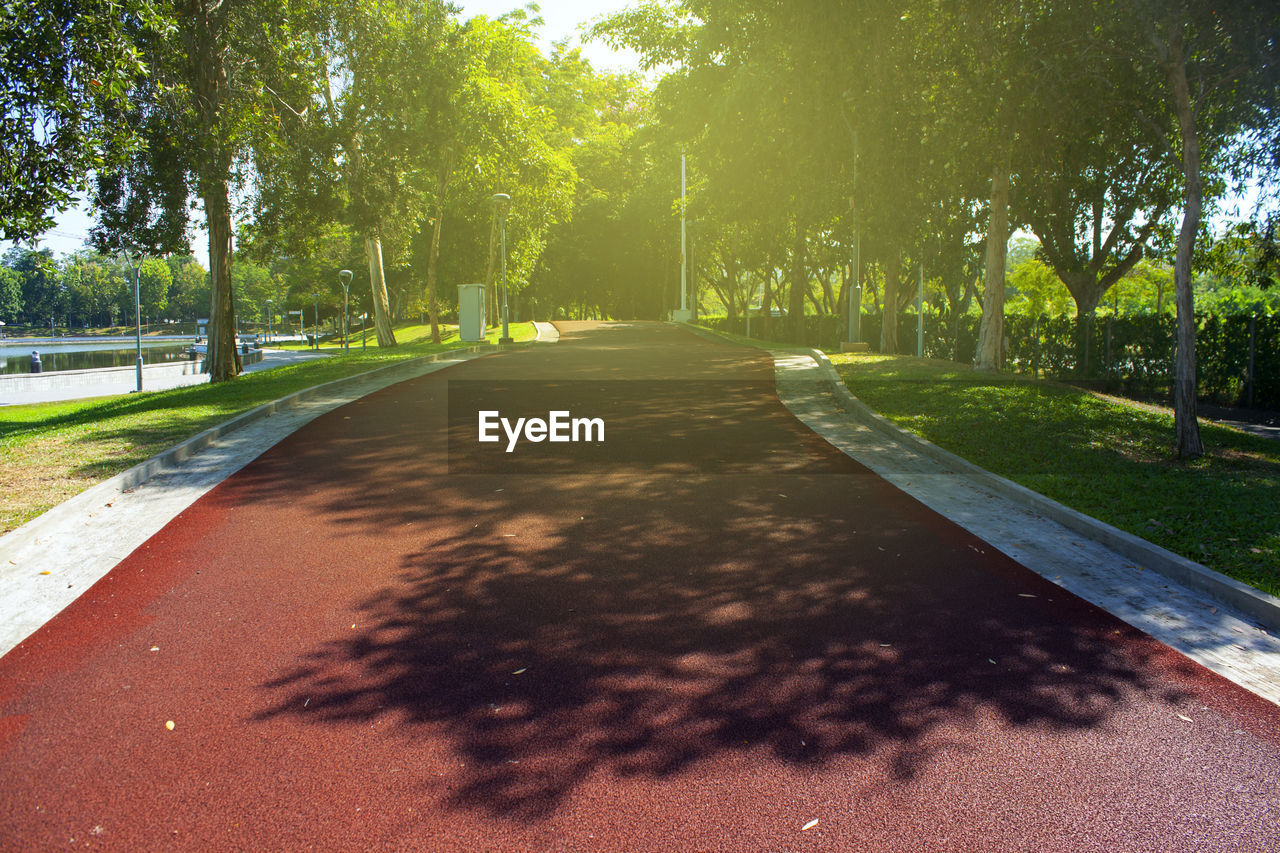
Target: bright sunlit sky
[561,20]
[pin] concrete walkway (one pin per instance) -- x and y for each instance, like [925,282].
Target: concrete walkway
[110,381]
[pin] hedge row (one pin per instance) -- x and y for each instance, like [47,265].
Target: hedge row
[1132,354]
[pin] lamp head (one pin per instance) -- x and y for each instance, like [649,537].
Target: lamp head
[344,276]
[500,202]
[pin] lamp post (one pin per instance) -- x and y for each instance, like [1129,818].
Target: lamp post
[364,322]
[344,276]
[137,311]
[270,302]
[500,203]
[315,297]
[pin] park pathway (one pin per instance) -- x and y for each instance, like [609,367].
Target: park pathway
[711,632]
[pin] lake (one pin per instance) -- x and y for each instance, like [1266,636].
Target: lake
[15,357]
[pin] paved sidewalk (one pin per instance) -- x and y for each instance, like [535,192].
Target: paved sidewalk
[1200,627]
[155,377]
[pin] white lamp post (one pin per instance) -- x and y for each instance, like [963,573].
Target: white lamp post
[137,310]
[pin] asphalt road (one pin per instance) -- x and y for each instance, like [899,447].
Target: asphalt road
[710,632]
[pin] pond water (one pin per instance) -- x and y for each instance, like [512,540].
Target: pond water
[85,355]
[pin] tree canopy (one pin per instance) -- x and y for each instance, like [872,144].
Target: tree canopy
[836,152]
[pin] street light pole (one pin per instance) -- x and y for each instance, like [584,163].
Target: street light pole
[137,311]
[270,302]
[344,276]
[500,203]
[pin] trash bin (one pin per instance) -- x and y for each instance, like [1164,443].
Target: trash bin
[471,319]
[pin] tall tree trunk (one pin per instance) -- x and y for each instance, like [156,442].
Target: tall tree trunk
[378,284]
[1185,425]
[799,284]
[991,333]
[222,359]
[432,309]
[442,188]
[207,34]
[889,312]
[766,304]
[1087,294]
[491,294]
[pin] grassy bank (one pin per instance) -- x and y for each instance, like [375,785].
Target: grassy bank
[52,451]
[1110,459]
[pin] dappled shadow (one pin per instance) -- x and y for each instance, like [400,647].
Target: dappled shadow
[638,620]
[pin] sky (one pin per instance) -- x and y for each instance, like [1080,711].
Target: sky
[561,19]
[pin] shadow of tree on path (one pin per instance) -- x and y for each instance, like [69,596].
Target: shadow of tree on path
[638,619]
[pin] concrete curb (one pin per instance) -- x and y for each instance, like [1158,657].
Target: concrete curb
[149,468]
[547,332]
[1252,602]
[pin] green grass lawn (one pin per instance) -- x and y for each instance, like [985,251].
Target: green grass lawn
[52,451]
[1107,458]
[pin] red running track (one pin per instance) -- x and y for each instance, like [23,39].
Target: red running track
[717,633]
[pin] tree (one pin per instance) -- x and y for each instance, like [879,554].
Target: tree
[220,77]
[486,134]
[358,153]
[65,74]
[189,295]
[154,280]
[1218,69]
[10,295]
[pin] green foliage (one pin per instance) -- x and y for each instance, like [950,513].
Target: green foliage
[65,74]
[10,295]
[155,280]
[1037,289]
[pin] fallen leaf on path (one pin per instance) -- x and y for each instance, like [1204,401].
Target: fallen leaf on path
[520,671]
[1184,719]
[169,725]
[810,825]
[1025,595]
[43,573]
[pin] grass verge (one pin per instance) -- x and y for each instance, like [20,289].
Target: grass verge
[1107,458]
[50,452]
